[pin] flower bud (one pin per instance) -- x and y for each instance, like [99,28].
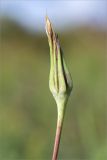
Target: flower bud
[60,81]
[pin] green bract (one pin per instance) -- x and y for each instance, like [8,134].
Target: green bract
[60,81]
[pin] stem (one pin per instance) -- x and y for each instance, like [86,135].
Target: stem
[61,110]
[57,141]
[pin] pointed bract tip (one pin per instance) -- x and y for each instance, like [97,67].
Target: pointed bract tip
[48,26]
[46,18]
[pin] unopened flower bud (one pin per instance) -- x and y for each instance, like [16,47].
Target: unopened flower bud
[60,81]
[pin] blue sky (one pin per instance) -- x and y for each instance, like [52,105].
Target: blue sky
[69,13]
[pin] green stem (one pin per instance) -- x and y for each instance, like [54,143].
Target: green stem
[60,119]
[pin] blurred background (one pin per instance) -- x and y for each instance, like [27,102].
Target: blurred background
[28,111]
